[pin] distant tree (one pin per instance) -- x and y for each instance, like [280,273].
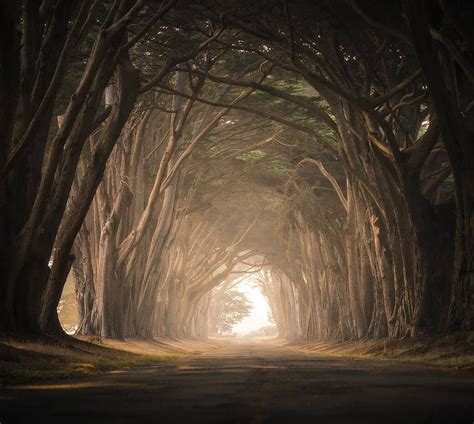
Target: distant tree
[228,307]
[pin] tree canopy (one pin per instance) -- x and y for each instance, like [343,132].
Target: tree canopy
[159,150]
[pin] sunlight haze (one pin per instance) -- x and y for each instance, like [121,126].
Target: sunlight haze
[258,317]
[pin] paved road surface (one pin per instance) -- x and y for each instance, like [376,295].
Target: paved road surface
[250,382]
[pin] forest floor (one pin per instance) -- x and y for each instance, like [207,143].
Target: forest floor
[452,351]
[28,361]
[25,361]
[250,381]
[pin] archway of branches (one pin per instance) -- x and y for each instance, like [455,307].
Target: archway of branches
[310,144]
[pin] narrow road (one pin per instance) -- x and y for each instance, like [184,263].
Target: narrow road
[249,382]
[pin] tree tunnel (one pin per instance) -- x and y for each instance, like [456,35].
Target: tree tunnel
[325,147]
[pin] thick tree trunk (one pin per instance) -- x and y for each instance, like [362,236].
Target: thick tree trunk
[458,139]
[9,92]
[462,297]
[127,80]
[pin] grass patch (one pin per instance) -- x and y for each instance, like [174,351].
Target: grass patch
[454,351]
[27,361]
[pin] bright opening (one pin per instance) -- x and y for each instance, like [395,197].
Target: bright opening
[259,322]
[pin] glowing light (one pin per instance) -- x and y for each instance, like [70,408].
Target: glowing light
[260,312]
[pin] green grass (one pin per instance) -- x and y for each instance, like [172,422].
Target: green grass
[27,361]
[454,351]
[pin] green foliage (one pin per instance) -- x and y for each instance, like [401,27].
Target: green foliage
[252,156]
[235,307]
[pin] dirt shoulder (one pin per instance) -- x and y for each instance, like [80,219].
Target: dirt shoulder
[455,351]
[26,361]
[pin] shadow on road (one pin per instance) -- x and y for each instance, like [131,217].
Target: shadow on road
[248,381]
